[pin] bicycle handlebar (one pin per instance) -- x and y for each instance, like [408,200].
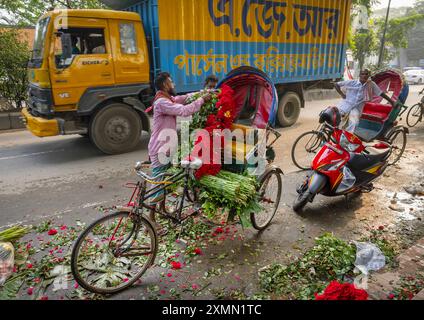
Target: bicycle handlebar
[144,175]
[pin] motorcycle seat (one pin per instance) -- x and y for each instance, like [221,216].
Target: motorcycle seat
[362,161]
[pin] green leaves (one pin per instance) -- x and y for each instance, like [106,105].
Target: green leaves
[230,192]
[199,119]
[11,287]
[27,12]
[14,55]
[330,259]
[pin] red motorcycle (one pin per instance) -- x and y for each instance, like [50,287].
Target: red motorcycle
[344,165]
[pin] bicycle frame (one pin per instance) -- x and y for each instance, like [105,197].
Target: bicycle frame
[140,195]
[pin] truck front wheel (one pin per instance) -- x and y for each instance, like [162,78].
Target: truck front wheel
[115,129]
[289,109]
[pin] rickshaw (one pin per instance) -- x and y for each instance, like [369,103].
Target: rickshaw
[125,243]
[378,122]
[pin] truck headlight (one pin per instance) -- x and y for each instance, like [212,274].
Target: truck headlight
[42,107]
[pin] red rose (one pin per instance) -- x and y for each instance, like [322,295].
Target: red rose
[63,228]
[391,296]
[29,266]
[52,232]
[176,265]
[337,291]
[44,298]
[198,251]
[30,291]
[219,230]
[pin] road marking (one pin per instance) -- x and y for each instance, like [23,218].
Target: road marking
[95,204]
[54,215]
[30,154]
[23,222]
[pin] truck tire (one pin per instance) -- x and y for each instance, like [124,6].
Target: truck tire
[289,109]
[115,129]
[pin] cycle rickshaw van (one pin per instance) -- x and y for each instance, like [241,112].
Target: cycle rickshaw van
[378,121]
[256,108]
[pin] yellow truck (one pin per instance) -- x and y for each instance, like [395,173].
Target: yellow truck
[91,71]
[88,73]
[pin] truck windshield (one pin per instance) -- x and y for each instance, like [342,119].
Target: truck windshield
[39,42]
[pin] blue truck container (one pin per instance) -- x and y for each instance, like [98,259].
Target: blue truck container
[299,44]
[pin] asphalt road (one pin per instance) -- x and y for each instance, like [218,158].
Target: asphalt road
[68,177]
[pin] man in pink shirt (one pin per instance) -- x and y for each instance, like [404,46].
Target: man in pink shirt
[167,106]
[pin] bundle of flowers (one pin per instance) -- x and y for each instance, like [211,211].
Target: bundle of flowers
[231,192]
[345,291]
[214,117]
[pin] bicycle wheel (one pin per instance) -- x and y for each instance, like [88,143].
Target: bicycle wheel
[306,147]
[398,140]
[269,193]
[415,115]
[113,253]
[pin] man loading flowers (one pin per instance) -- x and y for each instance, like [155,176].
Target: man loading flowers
[167,107]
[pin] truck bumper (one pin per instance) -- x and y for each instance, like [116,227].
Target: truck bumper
[40,127]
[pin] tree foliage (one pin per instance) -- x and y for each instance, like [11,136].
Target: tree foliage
[14,55]
[366,3]
[27,12]
[364,44]
[397,34]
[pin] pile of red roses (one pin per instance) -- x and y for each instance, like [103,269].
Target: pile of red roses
[222,120]
[345,291]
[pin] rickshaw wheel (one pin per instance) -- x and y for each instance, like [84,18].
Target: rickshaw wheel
[269,196]
[398,140]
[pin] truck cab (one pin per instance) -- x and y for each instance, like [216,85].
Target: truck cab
[89,74]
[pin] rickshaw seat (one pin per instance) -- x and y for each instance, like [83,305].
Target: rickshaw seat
[376,112]
[239,151]
[239,126]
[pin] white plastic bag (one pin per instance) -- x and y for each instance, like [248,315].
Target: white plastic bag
[348,181]
[7,260]
[368,257]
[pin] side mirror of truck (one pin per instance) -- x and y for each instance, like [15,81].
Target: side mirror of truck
[66,45]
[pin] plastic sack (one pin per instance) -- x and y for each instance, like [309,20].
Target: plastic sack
[368,257]
[7,260]
[348,181]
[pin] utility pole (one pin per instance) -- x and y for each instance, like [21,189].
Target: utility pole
[383,40]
